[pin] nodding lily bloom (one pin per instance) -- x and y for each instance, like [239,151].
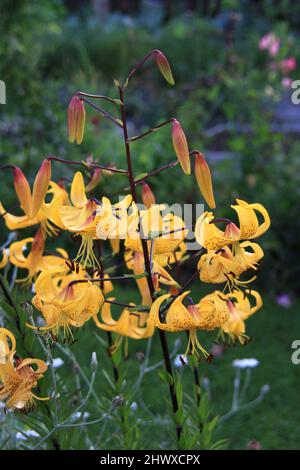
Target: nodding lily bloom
[91,219]
[4,259]
[131,324]
[66,301]
[226,264]
[210,313]
[164,234]
[135,261]
[240,309]
[35,262]
[212,238]
[17,376]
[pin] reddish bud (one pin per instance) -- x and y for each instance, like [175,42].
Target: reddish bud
[164,67]
[40,186]
[94,181]
[76,119]
[232,232]
[174,290]
[194,311]
[181,147]
[23,190]
[148,197]
[155,281]
[203,177]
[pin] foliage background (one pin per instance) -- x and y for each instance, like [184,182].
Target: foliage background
[229,101]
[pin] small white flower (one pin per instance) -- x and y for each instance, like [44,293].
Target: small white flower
[245,363]
[79,415]
[22,436]
[134,406]
[265,389]
[180,361]
[58,362]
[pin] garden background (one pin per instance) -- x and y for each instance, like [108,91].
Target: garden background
[232,96]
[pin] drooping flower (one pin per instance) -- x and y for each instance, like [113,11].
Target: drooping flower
[130,324]
[66,301]
[210,313]
[240,309]
[181,147]
[35,261]
[17,376]
[212,238]
[226,264]
[92,219]
[204,179]
[76,119]
[164,66]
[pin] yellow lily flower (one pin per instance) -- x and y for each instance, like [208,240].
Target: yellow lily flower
[4,259]
[91,219]
[135,325]
[66,301]
[35,262]
[211,312]
[240,309]
[164,234]
[212,238]
[226,265]
[17,376]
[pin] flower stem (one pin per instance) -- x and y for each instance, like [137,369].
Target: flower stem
[162,336]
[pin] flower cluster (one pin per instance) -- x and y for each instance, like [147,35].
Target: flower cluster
[72,288]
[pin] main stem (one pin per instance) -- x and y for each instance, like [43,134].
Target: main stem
[162,336]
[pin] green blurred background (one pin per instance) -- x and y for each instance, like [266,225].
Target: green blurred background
[231,96]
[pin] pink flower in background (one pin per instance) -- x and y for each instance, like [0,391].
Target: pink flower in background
[286,82]
[217,350]
[254,445]
[284,300]
[288,65]
[271,43]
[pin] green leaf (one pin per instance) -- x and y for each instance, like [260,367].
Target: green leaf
[165,377]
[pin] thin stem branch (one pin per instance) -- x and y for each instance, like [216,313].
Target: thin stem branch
[155,128]
[103,112]
[162,336]
[97,97]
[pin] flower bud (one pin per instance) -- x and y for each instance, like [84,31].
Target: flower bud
[204,180]
[181,147]
[232,232]
[148,197]
[94,181]
[40,186]
[22,189]
[164,66]
[76,119]
[94,362]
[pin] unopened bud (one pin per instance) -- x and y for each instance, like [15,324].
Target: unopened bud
[28,309]
[118,401]
[181,147]
[164,66]
[23,190]
[76,119]
[155,281]
[203,176]
[94,181]
[40,186]
[94,362]
[232,232]
[148,197]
